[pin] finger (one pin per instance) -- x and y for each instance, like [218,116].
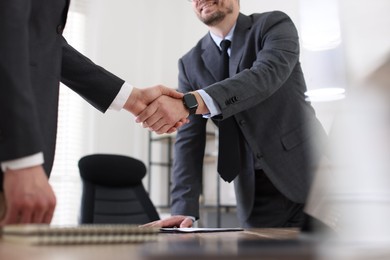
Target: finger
[161,124]
[48,216]
[187,222]
[168,128]
[12,216]
[172,130]
[176,94]
[153,224]
[182,122]
[173,221]
[171,92]
[32,209]
[50,210]
[9,218]
[155,122]
[39,210]
[146,113]
[160,127]
[164,129]
[43,210]
[38,216]
[26,217]
[149,224]
[179,124]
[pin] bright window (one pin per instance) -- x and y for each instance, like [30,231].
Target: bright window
[72,124]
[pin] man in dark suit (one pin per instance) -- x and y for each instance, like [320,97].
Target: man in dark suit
[34,57]
[279,134]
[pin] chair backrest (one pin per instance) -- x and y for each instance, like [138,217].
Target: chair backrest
[113,192]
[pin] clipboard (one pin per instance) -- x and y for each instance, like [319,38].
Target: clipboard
[198,230]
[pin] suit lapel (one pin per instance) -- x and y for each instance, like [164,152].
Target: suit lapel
[238,43]
[211,56]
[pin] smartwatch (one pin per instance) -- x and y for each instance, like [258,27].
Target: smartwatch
[189,101]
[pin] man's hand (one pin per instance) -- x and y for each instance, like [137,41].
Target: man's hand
[141,98]
[174,221]
[28,196]
[162,114]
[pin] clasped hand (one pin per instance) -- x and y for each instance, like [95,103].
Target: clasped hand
[158,108]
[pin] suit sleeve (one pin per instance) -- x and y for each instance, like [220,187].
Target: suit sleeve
[188,160]
[20,133]
[95,84]
[275,39]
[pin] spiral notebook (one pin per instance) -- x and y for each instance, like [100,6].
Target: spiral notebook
[37,234]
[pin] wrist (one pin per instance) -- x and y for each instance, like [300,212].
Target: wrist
[202,108]
[132,104]
[190,103]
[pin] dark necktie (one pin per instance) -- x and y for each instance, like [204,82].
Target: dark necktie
[228,146]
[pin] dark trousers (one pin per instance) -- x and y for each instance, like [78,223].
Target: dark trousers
[271,208]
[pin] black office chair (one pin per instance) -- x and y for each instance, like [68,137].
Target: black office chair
[113,192]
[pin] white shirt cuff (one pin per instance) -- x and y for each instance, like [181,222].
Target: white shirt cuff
[210,104]
[25,162]
[121,97]
[192,218]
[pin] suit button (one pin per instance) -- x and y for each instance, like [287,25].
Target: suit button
[231,100]
[259,156]
[60,29]
[242,122]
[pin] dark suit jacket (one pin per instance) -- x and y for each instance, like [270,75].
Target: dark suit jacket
[265,94]
[34,57]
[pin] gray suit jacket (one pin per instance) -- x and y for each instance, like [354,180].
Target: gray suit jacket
[34,58]
[265,94]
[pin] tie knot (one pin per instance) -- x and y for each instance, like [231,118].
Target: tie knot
[225,44]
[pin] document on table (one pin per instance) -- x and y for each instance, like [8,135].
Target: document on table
[199,230]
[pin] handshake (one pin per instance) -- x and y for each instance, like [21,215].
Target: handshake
[158,108]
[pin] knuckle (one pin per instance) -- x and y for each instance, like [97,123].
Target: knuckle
[52,203]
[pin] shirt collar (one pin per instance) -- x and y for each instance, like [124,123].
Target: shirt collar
[218,39]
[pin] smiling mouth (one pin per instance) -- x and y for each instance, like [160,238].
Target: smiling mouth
[207,5]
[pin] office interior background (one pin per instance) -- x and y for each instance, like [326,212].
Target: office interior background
[342,42]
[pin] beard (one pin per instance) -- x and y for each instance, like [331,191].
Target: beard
[213,19]
[216,17]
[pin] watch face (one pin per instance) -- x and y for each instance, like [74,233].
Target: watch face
[190,101]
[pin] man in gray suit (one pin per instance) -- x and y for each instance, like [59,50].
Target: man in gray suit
[34,57]
[279,134]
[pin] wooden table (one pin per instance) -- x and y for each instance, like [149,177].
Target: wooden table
[221,245]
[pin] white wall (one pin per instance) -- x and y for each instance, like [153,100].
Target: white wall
[141,42]
[366,36]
